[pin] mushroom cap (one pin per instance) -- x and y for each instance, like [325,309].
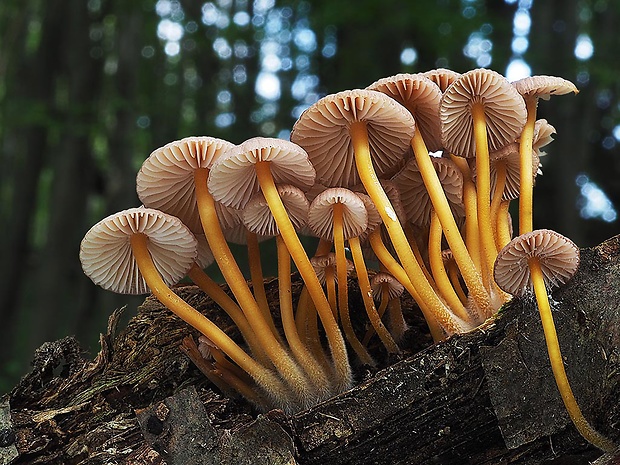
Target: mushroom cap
[421,97]
[544,86]
[509,154]
[321,217]
[232,179]
[374,218]
[323,131]
[413,193]
[321,262]
[442,77]
[543,132]
[504,109]
[166,179]
[107,257]
[258,218]
[558,256]
[394,287]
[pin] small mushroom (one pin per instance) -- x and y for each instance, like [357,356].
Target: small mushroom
[140,249]
[387,290]
[532,88]
[337,214]
[542,260]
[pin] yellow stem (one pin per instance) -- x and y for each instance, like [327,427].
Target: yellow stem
[380,311]
[472,234]
[258,281]
[526,180]
[483,190]
[368,176]
[213,290]
[410,234]
[315,372]
[453,273]
[283,362]
[444,285]
[394,268]
[366,291]
[330,284]
[263,376]
[343,288]
[470,274]
[503,225]
[315,290]
[557,364]
[496,200]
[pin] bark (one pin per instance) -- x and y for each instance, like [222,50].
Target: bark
[486,397]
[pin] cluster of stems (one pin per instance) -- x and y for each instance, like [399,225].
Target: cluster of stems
[368,235]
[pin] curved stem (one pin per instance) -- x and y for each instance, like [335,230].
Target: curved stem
[343,288]
[394,268]
[503,225]
[283,362]
[213,290]
[263,376]
[396,320]
[471,276]
[526,181]
[496,200]
[368,176]
[444,285]
[557,364]
[315,290]
[315,372]
[369,304]
[258,281]
[330,284]
[453,274]
[380,311]
[472,234]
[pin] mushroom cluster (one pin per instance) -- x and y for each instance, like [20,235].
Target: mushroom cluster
[413,174]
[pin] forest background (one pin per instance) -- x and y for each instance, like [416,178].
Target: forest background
[89,88]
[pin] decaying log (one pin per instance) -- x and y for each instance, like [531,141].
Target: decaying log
[485,397]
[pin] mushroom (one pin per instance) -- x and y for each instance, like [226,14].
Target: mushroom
[258,219]
[139,249]
[258,164]
[387,290]
[479,112]
[176,175]
[542,260]
[356,136]
[422,97]
[532,88]
[442,77]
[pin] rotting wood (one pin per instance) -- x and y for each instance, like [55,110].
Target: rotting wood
[481,398]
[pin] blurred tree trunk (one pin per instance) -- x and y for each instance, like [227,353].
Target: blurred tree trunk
[71,164]
[30,117]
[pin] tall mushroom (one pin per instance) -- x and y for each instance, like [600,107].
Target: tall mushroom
[358,135]
[258,219]
[142,249]
[258,164]
[479,112]
[174,178]
[541,260]
[532,88]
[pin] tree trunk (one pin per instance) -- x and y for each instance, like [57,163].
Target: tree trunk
[486,397]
